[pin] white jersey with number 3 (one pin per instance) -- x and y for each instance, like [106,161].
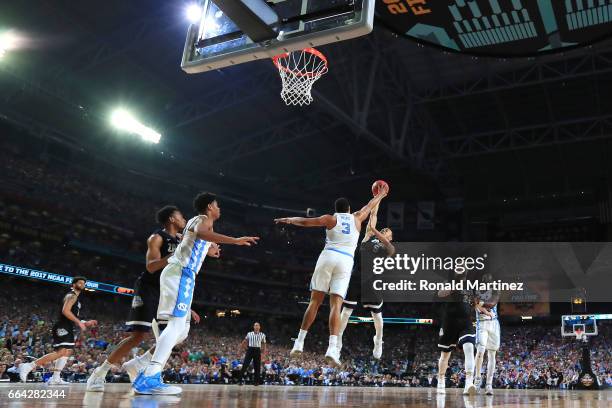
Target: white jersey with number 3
[333,270]
[344,236]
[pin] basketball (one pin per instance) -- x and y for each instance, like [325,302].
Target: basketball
[377,185]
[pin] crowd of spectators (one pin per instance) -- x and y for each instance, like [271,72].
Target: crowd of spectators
[531,356]
[60,216]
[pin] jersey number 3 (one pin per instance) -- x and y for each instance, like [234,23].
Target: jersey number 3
[346,228]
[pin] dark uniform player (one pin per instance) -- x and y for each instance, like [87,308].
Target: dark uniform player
[63,334]
[457,331]
[377,243]
[146,288]
[160,246]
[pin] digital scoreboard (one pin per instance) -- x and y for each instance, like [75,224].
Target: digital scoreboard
[503,28]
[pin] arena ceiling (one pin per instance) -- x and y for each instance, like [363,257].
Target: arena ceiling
[434,124]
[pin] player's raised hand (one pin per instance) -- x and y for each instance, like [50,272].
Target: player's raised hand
[286,220]
[247,241]
[91,323]
[383,190]
[215,250]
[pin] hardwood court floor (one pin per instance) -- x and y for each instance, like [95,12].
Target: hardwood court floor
[213,396]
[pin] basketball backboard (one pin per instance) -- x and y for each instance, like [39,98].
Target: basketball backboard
[216,42]
[578,325]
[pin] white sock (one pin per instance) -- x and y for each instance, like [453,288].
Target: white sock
[468,350]
[344,318]
[302,335]
[167,340]
[442,366]
[479,359]
[490,366]
[58,367]
[333,341]
[103,369]
[378,325]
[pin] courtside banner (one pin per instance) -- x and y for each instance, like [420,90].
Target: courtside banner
[23,272]
[516,272]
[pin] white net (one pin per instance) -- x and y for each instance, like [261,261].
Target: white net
[299,70]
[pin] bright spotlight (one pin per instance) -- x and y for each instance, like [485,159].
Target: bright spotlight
[124,120]
[8,41]
[194,13]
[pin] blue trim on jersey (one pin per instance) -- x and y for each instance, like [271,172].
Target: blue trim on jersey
[199,259]
[196,253]
[339,251]
[185,293]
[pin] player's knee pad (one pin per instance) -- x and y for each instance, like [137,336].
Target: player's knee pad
[176,326]
[184,334]
[480,349]
[491,354]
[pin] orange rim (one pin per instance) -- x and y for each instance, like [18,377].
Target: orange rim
[276,60]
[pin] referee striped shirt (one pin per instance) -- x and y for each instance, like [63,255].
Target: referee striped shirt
[255,339]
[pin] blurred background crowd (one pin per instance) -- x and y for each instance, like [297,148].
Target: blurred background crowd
[71,217]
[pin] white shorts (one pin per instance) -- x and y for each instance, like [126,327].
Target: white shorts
[332,273]
[488,334]
[176,286]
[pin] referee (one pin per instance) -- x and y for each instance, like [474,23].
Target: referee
[254,339]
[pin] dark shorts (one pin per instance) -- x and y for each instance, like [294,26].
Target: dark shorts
[353,298]
[144,306]
[63,336]
[456,331]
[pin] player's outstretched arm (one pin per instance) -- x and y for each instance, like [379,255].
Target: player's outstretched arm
[371,223]
[204,231]
[323,221]
[362,214]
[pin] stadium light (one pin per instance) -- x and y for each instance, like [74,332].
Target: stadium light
[124,120]
[194,13]
[8,41]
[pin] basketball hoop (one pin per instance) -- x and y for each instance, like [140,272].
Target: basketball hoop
[579,334]
[299,70]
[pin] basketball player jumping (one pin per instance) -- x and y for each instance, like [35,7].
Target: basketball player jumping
[177,283]
[332,272]
[457,331]
[63,334]
[487,335]
[378,243]
[160,246]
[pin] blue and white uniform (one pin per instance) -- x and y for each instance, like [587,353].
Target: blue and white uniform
[488,332]
[177,280]
[332,273]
